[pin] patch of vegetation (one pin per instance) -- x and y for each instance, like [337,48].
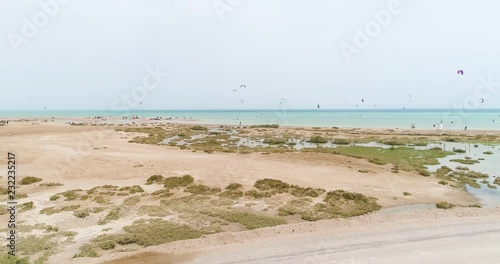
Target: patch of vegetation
[233,186]
[497,181]
[298,191]
[363,171]
[317,139]
[340,203]
[462,168]
[250,221]
[155,179]
[81,213]
[424,172]
[53,210]
[199,128]
[86,251]
[465,161]
[149,232]
[274,141]
[30,180]
[71,195]
[341,141]
[9,259]
[442,182]
[445,205]
[406,194]
[293,207]
[258,194]
[488,153]
[156,135]
[132,189]
[266,126]
[173,182]
[26,206]
[162,193]
[51,184]
[458,150]
[114,214]
[31,245]
[404,158]
[231,194]
[131,201]
[275,186]
[154,210]
[201,189]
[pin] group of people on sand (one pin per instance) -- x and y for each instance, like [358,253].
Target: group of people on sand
[3,123]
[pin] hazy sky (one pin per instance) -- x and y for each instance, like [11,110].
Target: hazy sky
[88,54]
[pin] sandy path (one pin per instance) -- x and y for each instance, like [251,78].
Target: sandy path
[466,242]
[464,235]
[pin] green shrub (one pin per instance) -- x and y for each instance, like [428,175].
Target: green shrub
[29,180]
[155,179]
[231,194]
[445,205]
[9,259]
[317,139]
[81,213]
[199,128]
[341,141]
[51,184]
[274,141]
[132,200]
[202,189]
[162,193]
[26,206]
[233,186]
[86,251]
[458,150]
[406,193]
[257,195]
[271,184]
[132,189]
[250,221]
[173,182]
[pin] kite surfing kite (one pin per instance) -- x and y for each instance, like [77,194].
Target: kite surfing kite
[461,72]
[243,86]
[318,106]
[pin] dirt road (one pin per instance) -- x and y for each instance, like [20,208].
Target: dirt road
[474,241]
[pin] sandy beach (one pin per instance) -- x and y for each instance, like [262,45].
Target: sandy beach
[84,157]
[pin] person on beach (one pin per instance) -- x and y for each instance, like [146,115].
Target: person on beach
[441,126]
[465,128]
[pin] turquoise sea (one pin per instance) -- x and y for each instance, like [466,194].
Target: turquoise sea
[484,119]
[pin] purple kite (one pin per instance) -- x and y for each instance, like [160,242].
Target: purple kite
[461,72]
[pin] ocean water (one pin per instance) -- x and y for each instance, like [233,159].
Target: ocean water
[484,119]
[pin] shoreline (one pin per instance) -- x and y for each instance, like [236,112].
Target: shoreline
[178,121]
